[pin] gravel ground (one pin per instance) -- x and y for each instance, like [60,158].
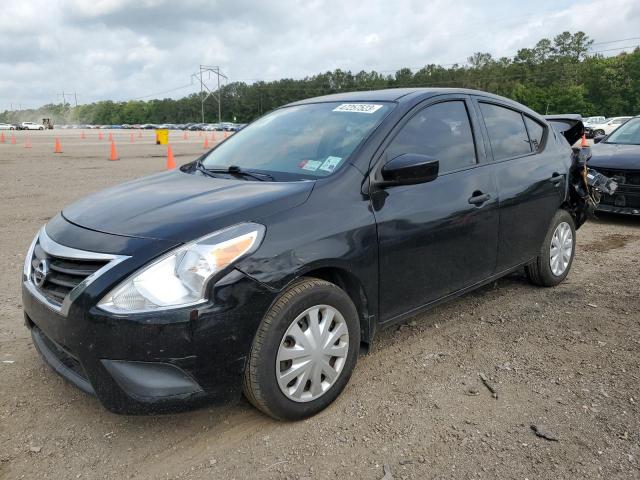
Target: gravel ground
[564,360]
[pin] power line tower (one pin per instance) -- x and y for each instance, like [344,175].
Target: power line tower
[206,91]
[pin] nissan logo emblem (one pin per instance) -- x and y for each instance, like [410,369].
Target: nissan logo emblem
[40,272]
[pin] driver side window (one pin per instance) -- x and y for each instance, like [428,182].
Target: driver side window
[442,131]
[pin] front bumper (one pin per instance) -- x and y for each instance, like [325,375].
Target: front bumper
[615,209]
[154,363]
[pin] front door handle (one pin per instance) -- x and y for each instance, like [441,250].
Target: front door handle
[478,198]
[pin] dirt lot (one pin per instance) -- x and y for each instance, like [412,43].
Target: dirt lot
[563,359]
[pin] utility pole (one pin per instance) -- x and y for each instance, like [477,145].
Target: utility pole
[64,98]
[206,92]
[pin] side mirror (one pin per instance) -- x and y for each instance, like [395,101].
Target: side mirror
[598,138]
[410,169]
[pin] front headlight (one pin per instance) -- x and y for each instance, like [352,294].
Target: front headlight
[180,277]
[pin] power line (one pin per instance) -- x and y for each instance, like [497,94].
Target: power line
[163,92]
[618,48]
[616,41]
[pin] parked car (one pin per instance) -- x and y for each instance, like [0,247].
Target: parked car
[7,126]
[268,263]
[618,156]
[605,128]
[31,126]
[589,121]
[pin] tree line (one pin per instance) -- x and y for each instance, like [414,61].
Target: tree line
[556,75]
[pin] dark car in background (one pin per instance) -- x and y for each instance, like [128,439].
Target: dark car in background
[618,156]
[267,264]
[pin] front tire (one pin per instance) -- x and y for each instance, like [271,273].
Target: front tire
[554,261]
[304,351]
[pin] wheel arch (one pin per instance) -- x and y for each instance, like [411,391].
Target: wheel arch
[353,287]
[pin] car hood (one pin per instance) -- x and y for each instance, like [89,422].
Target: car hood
[180,206]
[615,156]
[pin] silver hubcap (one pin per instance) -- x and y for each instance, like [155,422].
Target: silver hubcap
[561,248]
[312,353]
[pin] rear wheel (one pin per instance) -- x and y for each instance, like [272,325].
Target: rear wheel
[598,132]
[304,351]
[556,254]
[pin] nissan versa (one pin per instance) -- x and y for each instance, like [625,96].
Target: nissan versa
[267,265]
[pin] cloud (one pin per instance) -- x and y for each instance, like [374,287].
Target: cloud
[117,49]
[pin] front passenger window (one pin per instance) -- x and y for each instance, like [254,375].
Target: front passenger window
[442,131]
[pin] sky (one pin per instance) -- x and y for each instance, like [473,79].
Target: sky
[143,49]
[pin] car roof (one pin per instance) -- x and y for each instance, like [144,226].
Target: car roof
[404,95]
[393,94]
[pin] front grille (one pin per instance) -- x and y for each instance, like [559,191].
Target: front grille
[628,192]
[61,275]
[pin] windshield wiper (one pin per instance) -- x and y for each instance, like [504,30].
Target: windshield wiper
[201,168]
[236,170]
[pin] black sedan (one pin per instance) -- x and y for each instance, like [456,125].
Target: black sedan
[618,156]
[267,264]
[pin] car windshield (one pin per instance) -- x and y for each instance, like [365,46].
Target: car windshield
[300,142]
[628,134]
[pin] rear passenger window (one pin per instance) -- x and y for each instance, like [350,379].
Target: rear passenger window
[535,132]
[442,131]
[507,132]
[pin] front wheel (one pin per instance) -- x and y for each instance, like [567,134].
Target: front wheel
[304,351]
[556,255]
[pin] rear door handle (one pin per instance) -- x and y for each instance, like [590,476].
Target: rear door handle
[556,178]
[478,198]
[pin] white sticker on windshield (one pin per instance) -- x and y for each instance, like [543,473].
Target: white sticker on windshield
[330,164]
[311,165]
[358,107]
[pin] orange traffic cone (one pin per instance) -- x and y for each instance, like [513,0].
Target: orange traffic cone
[2,137]
[114,154]
[82,135]
[110,137]
[213,136]
[58,147]
[584,141]
[27,142]
[171,163]
[185,135]
[206,142]
[100,137]
[226,134]
[131,139]
[13,139]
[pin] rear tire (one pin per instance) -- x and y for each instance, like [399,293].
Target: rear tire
[273,385]
[554,261]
